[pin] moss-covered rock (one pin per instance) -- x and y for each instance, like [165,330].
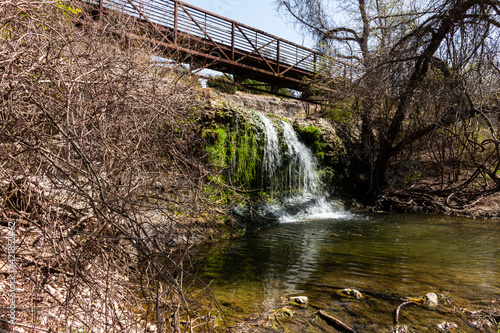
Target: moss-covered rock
[320,135]
[233,144]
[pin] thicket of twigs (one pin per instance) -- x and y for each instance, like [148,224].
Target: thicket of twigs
[101,171]
[423,96]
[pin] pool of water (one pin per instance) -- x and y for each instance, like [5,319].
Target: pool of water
[406,255]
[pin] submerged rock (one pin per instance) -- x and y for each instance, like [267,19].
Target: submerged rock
[445,326]
[299,299]
[356,294]
[431,299]
[353,293]
[285,312]
[400,329]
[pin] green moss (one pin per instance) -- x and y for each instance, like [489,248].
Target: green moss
[217,150]
[312,137]
[232,148]
[234,152]
[248,157]
[310,133]
[275,116]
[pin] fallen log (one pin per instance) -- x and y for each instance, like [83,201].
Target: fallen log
[334,322]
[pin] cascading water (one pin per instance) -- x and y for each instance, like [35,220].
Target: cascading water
[271,158]
[291,172]
[302,168]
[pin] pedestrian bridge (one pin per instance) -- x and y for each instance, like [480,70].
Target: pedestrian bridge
[211,41]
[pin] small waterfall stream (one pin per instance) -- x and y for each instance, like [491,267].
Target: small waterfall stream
[272,155]
[291,171]
[302,169]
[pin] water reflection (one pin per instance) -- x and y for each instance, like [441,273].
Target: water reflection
[406,255]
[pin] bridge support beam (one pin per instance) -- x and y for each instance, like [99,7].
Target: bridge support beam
[186,33]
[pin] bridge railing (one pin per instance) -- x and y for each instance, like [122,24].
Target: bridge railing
[233,41]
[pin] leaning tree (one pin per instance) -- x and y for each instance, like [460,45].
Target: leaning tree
[425,93]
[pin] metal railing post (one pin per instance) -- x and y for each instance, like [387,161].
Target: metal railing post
[255,58]
[278,56]
[175,21]
[233,28]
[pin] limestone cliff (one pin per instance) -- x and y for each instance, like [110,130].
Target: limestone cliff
[282,107]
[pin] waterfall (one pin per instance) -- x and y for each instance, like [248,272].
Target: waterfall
[272,155]
[302,169]
[290,171]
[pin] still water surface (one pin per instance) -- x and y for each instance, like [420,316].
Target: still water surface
[407,255]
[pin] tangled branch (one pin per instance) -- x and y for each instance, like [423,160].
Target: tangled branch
[101,171]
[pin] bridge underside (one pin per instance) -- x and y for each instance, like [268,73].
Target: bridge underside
[201,54]
[192,35]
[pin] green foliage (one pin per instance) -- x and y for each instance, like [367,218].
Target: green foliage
[255,84]
[342,111]
[412,178]
[409,171]
[6,32]
[214,190]
[261,86]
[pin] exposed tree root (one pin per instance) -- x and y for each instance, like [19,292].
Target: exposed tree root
[474,205]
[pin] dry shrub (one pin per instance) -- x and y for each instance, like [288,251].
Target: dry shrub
[101,171]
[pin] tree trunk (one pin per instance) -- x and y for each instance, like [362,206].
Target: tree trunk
[446,22]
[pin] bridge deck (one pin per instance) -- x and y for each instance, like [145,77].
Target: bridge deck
[222,44]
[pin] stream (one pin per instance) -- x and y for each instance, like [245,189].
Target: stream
[317,250]
[405,255]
